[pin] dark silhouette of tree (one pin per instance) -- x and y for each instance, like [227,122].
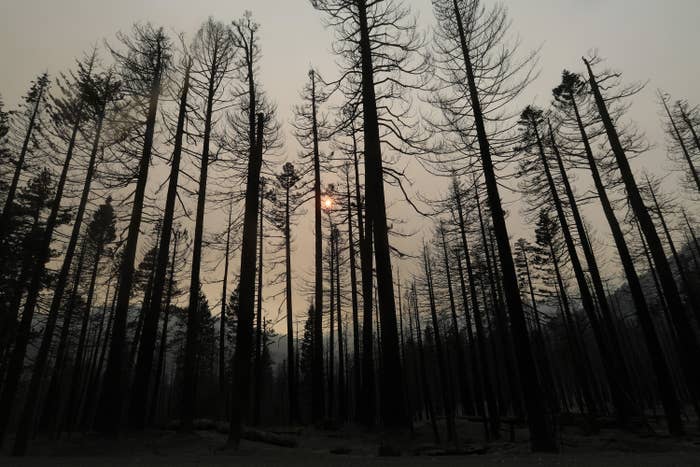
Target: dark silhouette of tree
[244,335]
[567,96]
[378,42]
[179,238]
[23,245]
[144,362]
[447,399]
[290,199]
[687,339]
[97,94]
[492,427]
[682,135]
[223,315]
[213,53]
[35,103]
[67,119]
[532,121]
[310,130]
[142,64]
[472,48]
[100,233]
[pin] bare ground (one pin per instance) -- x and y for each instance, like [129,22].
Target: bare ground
[352,447]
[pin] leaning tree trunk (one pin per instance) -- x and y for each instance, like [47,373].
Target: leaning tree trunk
[10,196]
[111,401]
[656,354]
[73,403]
[591,262]
[16,363]
[612,361]
[144,360]
[690,292]
[54,394]
[542,432]
[48,419]
[681,142]
[686,337]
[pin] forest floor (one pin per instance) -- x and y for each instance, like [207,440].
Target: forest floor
[352,447]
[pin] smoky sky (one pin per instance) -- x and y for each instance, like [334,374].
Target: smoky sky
[648,40]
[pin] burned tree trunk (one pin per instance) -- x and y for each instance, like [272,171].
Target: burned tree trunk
[244,335]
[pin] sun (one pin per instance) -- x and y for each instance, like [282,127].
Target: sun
[327,203]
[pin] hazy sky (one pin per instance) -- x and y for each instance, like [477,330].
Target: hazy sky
[646,39]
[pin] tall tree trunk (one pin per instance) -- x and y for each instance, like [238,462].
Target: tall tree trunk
[686,337]
[393,412]
[189,392]
[506,347]
[294,414]
[356,362]
[615,371]
[16,362]
[259,331]
[690,292]
[48,418]
[331,338]
[465,390]
[222,315]
[423,374]
[542,431]
[366,406]
[93,386]
[447,400]
[656,354]
[317,391]
[244,334]
[144,360]
[486,379]
[73,403]
[111,403]
[160,364]
[342,395]
[476,372]
[12,190]
[681,142]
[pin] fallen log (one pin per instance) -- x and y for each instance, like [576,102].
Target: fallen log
[259,436]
